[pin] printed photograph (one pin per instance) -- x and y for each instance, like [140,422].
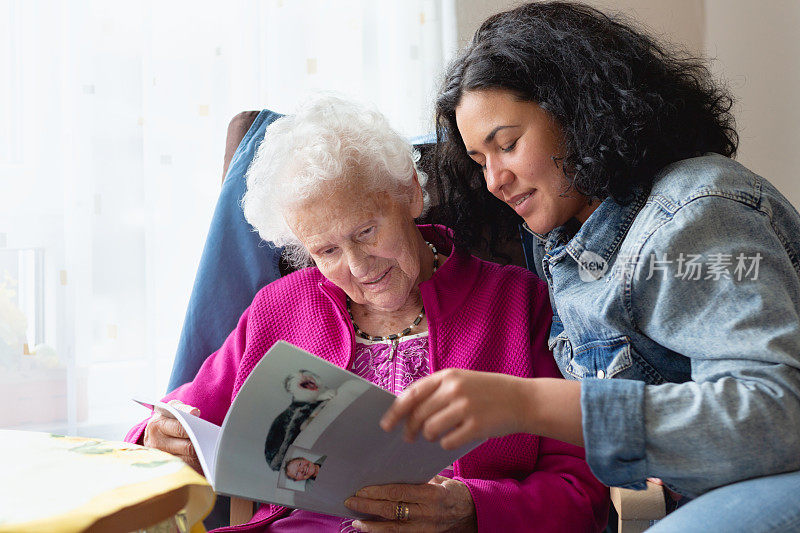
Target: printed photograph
[300,469]
[309,396]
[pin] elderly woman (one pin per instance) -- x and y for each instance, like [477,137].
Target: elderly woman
[391,302]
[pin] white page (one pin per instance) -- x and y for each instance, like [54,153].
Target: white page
[203,434]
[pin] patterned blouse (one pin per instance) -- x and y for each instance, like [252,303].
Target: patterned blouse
[392,366]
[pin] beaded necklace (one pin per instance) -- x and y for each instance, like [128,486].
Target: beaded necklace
[406,331]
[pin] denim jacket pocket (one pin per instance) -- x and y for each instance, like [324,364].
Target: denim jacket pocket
[604,358]
[561,347]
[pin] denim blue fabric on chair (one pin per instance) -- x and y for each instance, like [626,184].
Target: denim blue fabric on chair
[234,265]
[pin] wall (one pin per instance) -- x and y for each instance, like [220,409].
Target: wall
[756,49]
[679,21]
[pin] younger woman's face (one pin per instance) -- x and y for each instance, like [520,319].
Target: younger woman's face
[515,143]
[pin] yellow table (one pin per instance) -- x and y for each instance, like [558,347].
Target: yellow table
[51,483]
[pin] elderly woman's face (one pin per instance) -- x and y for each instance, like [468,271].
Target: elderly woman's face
[364,242]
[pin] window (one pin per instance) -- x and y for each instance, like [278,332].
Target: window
[116,115]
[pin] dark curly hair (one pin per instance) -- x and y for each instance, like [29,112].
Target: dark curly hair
[627,106]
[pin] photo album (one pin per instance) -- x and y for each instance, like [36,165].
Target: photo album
[305,433]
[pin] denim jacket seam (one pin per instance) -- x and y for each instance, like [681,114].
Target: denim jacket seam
[744,198]
[788,249]
[604,343]
[753,198]
[655,378]
[667,205]
[625,342]
[769,213]
[552,258]
[620,236]
[628,276]
[754,203]
[627,290]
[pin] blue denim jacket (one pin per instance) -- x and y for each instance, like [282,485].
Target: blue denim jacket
[680,314]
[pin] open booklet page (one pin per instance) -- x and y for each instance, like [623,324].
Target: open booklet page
[203,434]
[304,433]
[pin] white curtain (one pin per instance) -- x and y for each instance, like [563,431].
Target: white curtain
[112,130]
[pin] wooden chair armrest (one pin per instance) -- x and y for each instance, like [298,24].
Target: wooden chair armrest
[241,511]
[237,129]
[638,508]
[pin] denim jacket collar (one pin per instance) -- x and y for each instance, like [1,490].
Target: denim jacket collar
[602,232]
[605,229]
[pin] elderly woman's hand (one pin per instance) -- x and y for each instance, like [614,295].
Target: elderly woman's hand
[442,504]
[165,433]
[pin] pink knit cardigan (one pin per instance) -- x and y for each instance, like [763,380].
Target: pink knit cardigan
[481,316]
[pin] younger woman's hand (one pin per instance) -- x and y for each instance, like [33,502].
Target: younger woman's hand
[164,432]
[459,406]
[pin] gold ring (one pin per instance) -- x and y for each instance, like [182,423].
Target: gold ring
[401,512]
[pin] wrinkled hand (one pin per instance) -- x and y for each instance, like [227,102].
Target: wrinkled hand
[442,504]
[164,432]
[458,406]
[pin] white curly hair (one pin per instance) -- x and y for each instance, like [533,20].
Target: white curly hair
[328,141]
